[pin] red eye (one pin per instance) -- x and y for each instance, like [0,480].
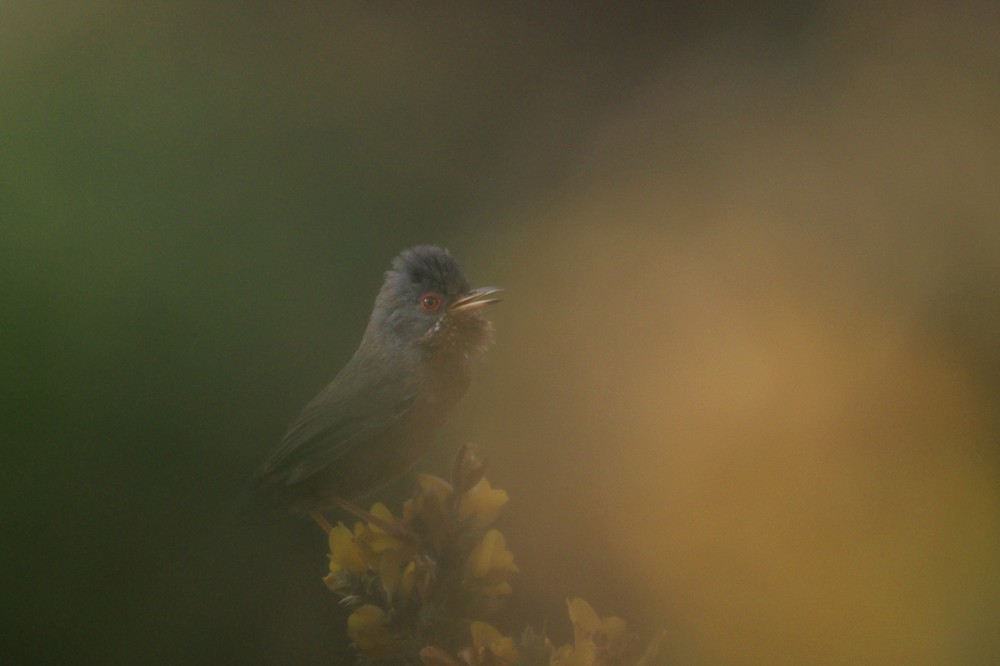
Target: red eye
[430,302]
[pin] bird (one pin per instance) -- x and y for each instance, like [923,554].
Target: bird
[385,407]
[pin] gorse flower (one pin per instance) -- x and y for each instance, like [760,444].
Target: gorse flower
[596,641]
[486,640]
[366,627]
[490,565]
[421,583]
[367,549]
[344,554]
[481,505]
[374,542]
[344,557]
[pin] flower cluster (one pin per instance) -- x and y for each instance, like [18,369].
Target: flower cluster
[597,641]
[419,582]
[415,579]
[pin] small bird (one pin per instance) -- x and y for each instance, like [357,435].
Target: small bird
[384,408]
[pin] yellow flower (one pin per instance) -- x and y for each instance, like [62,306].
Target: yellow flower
[372,540]
[376,538]
[485,637]
[499,590]
[561,656]
[490,564]
[593,637]
[434,486]
[332,582]
[344,554]
[568,655]
[397,574]
[481,504]
[433,498]
[366,627]
[390,571]
[434,656]
[407,580]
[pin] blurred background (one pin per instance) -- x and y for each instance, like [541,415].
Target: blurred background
[746,383]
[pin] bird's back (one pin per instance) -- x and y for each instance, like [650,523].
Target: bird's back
[365,429]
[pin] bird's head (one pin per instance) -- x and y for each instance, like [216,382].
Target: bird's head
[426,301]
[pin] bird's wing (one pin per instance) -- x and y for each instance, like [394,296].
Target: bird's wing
[359,403]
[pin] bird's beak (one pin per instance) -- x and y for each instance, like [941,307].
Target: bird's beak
[475,299]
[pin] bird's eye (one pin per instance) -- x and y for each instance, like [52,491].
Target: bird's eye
[430,302]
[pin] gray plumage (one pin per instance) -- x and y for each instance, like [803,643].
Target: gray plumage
[384,408]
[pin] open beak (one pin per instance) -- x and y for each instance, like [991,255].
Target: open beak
[475,299]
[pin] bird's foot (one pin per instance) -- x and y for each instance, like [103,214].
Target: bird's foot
[396,530]
[321,520]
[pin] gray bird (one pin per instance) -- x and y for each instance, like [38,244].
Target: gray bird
[385,407]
